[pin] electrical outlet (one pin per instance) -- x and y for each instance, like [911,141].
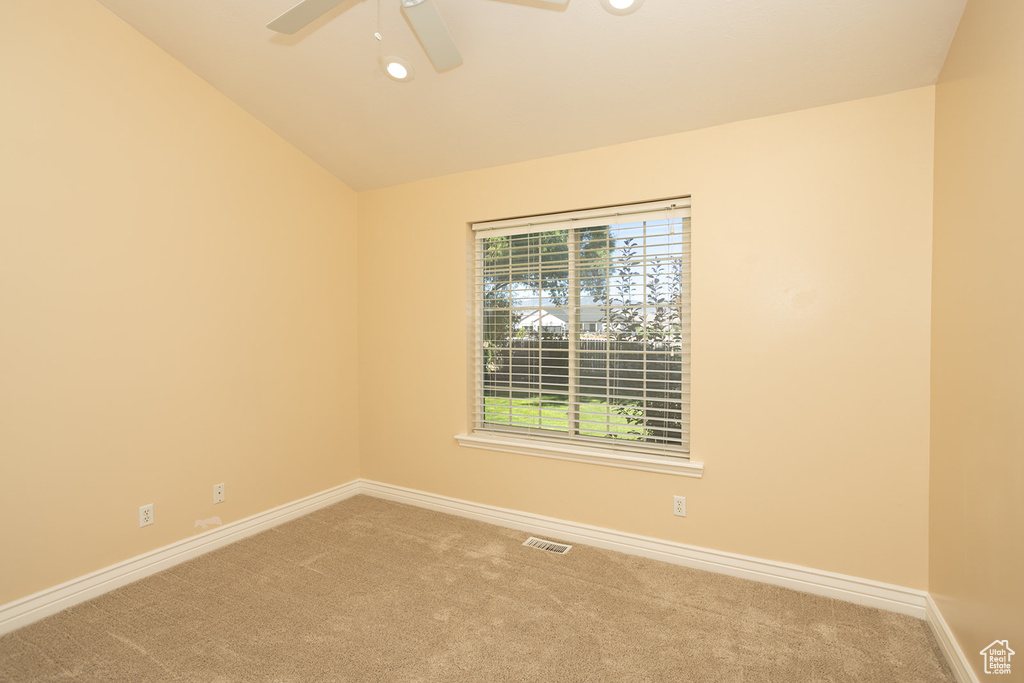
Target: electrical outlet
[679,505]
[146,515]
[218,493]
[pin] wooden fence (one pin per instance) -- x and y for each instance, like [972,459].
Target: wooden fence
[605,366]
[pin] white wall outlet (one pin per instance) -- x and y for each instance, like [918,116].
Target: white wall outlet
[218,493]
[146,515]
[679,505]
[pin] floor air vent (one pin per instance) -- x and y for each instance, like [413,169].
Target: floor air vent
[550,546]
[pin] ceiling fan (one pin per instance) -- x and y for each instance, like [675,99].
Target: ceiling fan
[423,16]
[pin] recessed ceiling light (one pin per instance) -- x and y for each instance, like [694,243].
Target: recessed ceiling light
[621,6]
[397,69]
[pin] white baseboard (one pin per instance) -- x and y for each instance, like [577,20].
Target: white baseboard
[849,588]
[22,612]
[955,656]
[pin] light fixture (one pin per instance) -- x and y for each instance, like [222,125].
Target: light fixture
[397,69]
[622,6]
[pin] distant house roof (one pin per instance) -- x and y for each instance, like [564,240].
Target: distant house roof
[546,320]
[587,315]
[590,311]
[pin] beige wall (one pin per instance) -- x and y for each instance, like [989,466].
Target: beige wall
[178,295]
[812,243]
[177,302]
[977,427]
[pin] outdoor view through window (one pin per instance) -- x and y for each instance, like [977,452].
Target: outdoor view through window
[583,329]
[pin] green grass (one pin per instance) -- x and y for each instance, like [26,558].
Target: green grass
[597,417]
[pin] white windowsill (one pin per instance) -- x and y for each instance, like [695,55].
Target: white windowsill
[578,453]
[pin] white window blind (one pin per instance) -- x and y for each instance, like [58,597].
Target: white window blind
[581,327]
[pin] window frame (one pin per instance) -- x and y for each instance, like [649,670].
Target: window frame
[589,450]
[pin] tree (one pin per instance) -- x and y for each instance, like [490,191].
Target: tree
[534,266]
[654,327]
[538,263]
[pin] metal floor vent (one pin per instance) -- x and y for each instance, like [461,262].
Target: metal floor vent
[550,546]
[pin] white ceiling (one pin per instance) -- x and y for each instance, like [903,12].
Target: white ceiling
[537,79]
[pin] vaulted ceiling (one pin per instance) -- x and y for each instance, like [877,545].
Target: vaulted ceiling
[539,79]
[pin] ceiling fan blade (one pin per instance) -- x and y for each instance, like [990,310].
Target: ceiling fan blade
[556,2]
[429,27]
[302,14]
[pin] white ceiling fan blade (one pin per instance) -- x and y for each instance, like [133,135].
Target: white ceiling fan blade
[302,14]
[429,27]
[556,2]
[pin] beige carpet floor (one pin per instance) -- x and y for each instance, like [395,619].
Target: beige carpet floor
[368,590]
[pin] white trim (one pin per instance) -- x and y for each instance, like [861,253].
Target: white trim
[890,597]
[52,600]
[958,662]
[578,453]
[885,596]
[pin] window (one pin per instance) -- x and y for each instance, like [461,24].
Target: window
[581,339]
